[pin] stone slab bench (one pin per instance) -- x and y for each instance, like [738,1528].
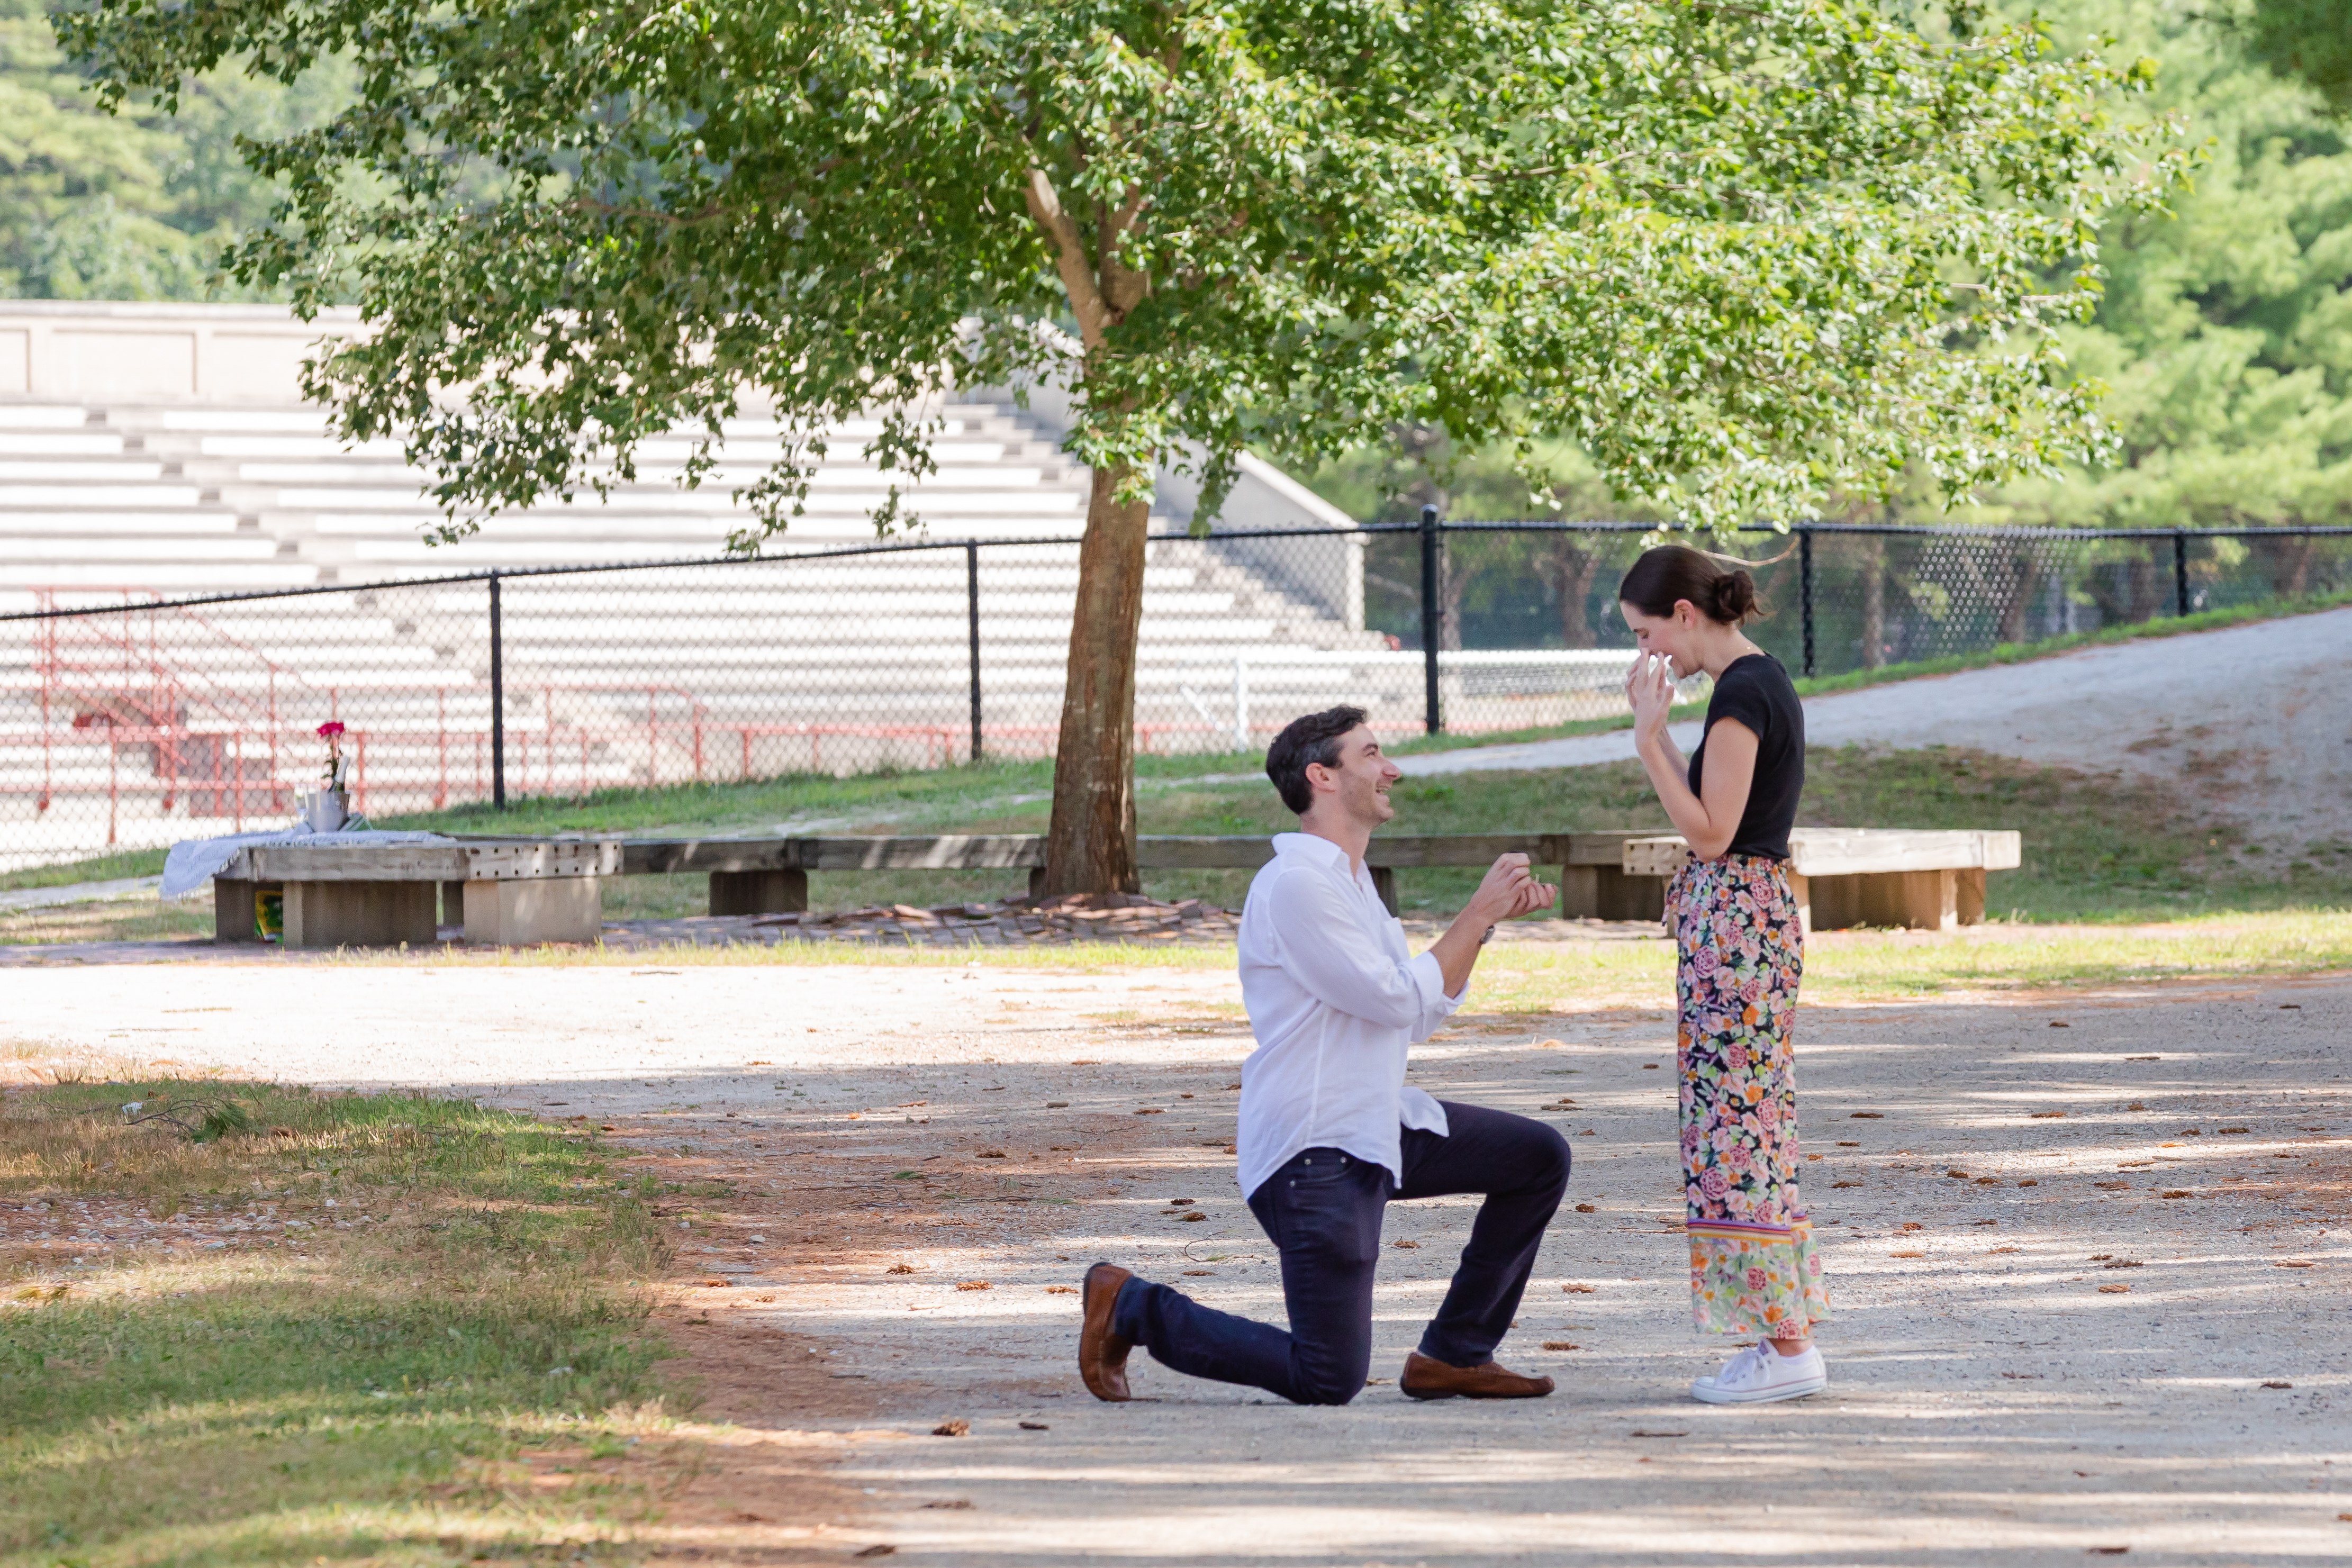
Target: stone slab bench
[1924,879]
[507,892]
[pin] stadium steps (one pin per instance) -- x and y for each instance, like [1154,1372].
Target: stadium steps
[612,678]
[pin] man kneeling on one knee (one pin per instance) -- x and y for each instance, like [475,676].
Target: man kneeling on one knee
[1330,1133]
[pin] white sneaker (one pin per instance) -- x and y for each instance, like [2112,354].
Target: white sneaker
[1760,1374]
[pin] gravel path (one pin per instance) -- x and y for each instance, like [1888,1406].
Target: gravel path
[2000,1394]
[2257,720]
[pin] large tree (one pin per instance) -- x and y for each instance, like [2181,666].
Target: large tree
[2224,334]
[135,207]
[2311,39]
[1724,245]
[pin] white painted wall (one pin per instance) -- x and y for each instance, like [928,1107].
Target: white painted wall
[157,352]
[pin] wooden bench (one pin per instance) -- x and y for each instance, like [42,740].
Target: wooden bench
[1922,879]
[509,892]
[770,876]
[1927,879]
[515,892]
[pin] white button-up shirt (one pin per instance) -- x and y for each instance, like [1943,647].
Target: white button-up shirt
[1334,998]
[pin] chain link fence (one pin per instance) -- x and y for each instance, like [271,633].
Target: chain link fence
[128,721]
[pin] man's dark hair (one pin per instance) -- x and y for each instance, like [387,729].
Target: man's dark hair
[1303,743]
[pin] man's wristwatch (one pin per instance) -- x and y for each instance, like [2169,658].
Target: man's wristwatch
[1486,939]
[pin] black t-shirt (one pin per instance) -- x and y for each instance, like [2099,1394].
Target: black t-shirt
[1757,691]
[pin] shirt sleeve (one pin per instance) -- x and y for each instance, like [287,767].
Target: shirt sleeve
[1743,697]
[1323,950]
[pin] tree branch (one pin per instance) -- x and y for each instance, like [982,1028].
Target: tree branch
[1095,315]
[1125,289]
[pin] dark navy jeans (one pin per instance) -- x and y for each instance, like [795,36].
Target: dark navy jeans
[1323,1212]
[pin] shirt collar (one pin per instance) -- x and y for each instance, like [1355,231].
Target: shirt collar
[1320,850]
[1317,851]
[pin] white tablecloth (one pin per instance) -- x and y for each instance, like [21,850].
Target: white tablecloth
[194,862]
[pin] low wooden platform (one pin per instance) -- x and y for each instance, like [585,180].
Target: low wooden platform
[506,892]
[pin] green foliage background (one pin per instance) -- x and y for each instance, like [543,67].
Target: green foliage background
[2225,335]
[137,206]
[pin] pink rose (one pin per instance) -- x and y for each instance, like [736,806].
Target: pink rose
[1690,1140]
[1755,1277]
[1736,1157]
[331,728]
[1715,1184]
[1737,1056]
[1705,962]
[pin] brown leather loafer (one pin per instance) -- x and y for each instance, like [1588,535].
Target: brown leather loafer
[1102,1355]
[1427,1379]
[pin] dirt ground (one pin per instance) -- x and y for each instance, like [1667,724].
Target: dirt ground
[2088,1261]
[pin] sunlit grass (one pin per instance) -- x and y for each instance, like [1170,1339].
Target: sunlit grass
[1868,966]
[1580,973]
[419,1301]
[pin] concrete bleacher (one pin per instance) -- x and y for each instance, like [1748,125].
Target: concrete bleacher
[84,505]
[121,484]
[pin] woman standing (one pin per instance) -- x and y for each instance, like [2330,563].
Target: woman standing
[1740,950]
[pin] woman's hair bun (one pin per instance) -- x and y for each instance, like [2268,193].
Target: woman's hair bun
[1735,597]
[1668,575]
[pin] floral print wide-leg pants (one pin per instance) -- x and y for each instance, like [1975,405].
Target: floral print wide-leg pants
[1739,954]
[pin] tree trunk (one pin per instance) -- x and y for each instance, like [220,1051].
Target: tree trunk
[2286,562]
[1873,603]
[1451,580]
[1090,846]
[1572,574]
[2017,596]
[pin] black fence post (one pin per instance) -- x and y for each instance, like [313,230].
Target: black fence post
[1433,617]
[2180,572]
[1805,589]
[497,702]
[971,601]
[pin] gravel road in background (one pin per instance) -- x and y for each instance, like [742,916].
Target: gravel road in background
[2255,720]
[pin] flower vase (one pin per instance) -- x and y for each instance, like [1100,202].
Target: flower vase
[326,811]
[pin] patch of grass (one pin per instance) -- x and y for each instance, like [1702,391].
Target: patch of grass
[140,919]
[1919,669]
[99,868]
[1450,740]
[2097,847]
[1014,796]
[1875,966]
[2022,652]
[414,1304]
[1578,975]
